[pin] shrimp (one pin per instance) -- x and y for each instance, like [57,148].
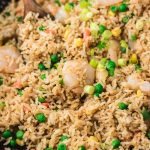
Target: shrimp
[133,81]
[9,59]
[8,32]
[108,2]
[113,50]
[145,87]
[73,71]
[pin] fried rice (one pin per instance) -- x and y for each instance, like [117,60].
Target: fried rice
[40,85]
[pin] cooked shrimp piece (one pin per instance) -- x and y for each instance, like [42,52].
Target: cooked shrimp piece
[108,2]
[113,50]
[133,81]
[9,59]
[75,71]
[145,87]
[8,32]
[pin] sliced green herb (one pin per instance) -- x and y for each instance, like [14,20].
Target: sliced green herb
[43,76]
[20,92]
[101,45]
[42,28]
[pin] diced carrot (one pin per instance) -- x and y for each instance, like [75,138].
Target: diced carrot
[46,104]
[51,31]
[87,33]
[17,85]
[26,108]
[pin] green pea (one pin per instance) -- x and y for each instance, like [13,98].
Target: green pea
[82,148]
[40,117]
[41,99]
[20,134]
[12,143]
[98,88]
[102,28]
[122,106]
[61,146]
[6,134]
[123,8]
[116,143]
[54,58]
[114,8]
[41,66]
[110,64]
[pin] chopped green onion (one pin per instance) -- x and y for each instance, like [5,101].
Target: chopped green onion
[61,81]
[43,76]
[146,114]
[94,28]
[20,92]
[125,19]
[133,37]
[58,2]
[82,148]
[148,135]
[84,3]
[94,63]
[123,49]
[42,28]
[41,99]
[1,80]
[106,35]
[138,67]
[69,6]
[85,15]
[20,19]
[122,62]
[92,51]
[64,138]
[123,44]
[89,89]
[101,45]
[2,105]
[7,13]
